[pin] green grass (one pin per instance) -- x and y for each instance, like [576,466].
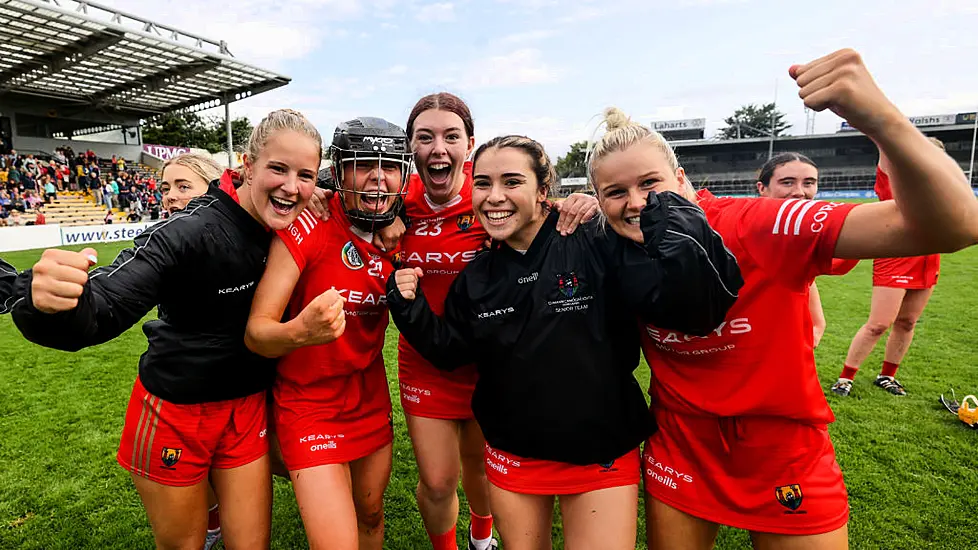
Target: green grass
[911,468]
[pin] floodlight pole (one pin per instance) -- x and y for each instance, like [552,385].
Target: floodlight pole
[227,122]
[971,165]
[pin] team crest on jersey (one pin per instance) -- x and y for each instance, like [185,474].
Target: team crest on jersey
[398,259]
[789,496]
[465,221]
[567,284]
[351,258]
[608,466]
[171,456]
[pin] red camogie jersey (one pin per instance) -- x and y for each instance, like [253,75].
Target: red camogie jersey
[441,240]
[882,186]
[331,255]
[759,362]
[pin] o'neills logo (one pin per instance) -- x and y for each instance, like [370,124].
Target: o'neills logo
[351,258]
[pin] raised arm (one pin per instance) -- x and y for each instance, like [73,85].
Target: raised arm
[66,308]
[320,322]
[685,278]
[445,342]
[934,209]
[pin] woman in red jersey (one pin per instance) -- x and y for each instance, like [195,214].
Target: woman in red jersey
[901,289]
[442,238]
[742,437]
[197,414]
[331,403]
[795,176]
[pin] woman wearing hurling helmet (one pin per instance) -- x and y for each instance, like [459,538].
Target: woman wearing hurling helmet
[331,406]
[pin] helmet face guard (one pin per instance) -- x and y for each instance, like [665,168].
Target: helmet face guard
[371,144]
[369,220]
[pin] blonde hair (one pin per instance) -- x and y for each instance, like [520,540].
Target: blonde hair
[937,142]
[201,165]
[620,134]
[281,119]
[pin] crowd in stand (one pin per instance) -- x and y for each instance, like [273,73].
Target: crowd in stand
[28,182]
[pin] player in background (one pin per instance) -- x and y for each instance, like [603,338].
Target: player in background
[331,402]
[549,321]
[197,410]
[795,176]
[443,236]
[742,437]
[901,289]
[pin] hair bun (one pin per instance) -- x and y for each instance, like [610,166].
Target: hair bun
[615,118]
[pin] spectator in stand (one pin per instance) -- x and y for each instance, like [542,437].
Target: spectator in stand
[108,217]
[32,200]
[16,201]
[115,192]
[92,157]
[39,219]
[3,177]
[122,164]
[14,177]
[28,181]
[108,191]
[50,191]
[16,219]
[95,185]
[134,217]
[65,174]
[4,200]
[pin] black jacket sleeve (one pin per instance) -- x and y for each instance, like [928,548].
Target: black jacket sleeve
[115,297]
[685,279]
[8,284]
[444,341]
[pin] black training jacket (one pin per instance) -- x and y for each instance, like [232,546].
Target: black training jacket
[554,332]
[201,266]
[8,279]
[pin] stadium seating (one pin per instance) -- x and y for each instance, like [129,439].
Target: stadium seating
[74,208]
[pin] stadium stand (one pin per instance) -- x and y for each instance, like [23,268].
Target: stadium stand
[79,75]
[846,159]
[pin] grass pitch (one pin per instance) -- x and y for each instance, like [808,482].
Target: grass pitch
[911,468]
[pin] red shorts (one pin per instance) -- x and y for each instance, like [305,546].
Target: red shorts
[340,420]
[429,393]
[913,273]
[761,474]
[178,445]
[544,477]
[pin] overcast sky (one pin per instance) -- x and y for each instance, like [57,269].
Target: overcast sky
[546,68]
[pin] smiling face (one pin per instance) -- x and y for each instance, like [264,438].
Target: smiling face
[507,197]
[180,184]
[282,177]
[791,180]
[440,148]
[624,179]
[376,185]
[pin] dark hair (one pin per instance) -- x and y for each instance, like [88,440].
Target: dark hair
[767,171]
[442,101]
[539,161]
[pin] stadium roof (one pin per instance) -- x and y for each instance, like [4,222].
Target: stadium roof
[86,57]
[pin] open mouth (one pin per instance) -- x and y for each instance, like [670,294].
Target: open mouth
[373,202]
[499,217]
[632,220]
[439,172]
[281,206]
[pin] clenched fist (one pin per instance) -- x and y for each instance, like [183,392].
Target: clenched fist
[841,83]
[323,319]
[407,281]
[59,279]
